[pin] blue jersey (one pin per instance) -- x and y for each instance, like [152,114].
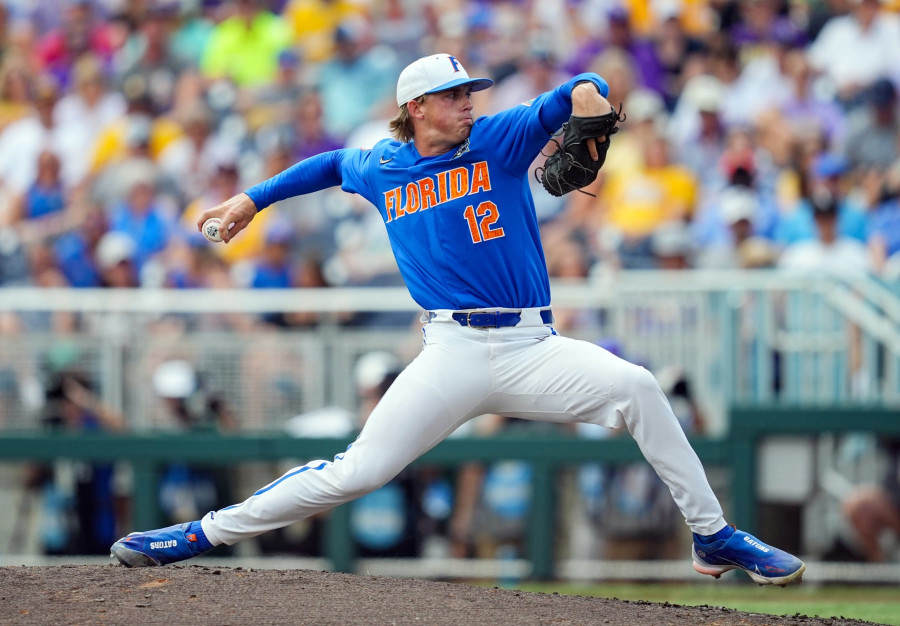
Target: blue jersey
[462,225]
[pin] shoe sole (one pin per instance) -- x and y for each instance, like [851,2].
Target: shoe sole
[717,570]
[131,558]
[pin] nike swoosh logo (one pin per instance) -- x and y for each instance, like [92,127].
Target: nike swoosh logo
[383,160]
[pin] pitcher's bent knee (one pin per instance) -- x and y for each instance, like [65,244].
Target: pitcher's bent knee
[638,382]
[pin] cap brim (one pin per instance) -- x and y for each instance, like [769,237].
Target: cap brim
[478,84]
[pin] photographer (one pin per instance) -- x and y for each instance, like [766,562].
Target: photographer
[78,499]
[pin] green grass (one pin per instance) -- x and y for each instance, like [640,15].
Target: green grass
[874,604]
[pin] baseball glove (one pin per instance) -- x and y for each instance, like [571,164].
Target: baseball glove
[571,167]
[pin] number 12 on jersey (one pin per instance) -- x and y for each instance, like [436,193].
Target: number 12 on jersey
[482,221]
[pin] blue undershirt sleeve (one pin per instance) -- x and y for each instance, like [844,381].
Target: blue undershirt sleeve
[312,174]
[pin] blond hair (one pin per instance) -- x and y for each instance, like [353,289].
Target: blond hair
[401,126]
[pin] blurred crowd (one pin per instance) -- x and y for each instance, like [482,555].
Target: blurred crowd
[759,133]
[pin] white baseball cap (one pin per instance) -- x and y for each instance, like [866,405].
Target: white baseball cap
[437,72]
[738,203]
[174,379]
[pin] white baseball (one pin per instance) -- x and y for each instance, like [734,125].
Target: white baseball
[211,229]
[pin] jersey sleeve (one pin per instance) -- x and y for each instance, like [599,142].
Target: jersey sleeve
[344,168]
[524,129]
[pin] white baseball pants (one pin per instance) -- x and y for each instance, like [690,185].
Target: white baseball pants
[526,371]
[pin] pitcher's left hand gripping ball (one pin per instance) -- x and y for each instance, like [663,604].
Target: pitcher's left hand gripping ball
[571,167]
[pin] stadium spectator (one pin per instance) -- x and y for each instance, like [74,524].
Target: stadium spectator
[646,119]
[23,141]
[187,405]
[46,209]
[761,24]
[671,246]
[89,107]
[78,516]
[401,25]
[191,160]
[829,253]
[140,129]
[873,143]
[803,107]
[15,91]
[313,23]
[45,196]
[636,202]
[115,258]
[143,219]
[853,51]
[492,501]
[828,174]
[273,102]
[80,31]
[358,68]
[884,238]
[676,49]
[697,125]
[245,46]
[874,510]
[639,51]
[147,56]
[274,267]
[191,33]
[310,136]
[76,251]
[536,72]
[738,245]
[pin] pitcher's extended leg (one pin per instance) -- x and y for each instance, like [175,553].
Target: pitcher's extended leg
[414,415]
[566,380]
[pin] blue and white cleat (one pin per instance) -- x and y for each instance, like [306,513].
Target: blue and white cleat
[160,547]
[765,564]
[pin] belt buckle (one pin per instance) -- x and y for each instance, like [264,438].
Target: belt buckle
[469,315]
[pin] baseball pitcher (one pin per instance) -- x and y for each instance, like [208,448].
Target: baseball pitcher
[452,189]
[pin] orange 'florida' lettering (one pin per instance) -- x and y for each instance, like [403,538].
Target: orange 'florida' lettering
[481,178]
[429,197]
[459,182]
[442,187]
[439,188]
[412,198]
[390,202]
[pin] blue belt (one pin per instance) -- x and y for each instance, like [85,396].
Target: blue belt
[494,319]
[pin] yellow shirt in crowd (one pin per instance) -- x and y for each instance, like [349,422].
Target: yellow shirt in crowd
[110,145]
[247,55]
[313,22]
[639,200]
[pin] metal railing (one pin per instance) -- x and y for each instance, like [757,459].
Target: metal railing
[739,337]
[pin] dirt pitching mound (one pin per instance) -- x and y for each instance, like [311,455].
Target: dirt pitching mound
[82,594]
